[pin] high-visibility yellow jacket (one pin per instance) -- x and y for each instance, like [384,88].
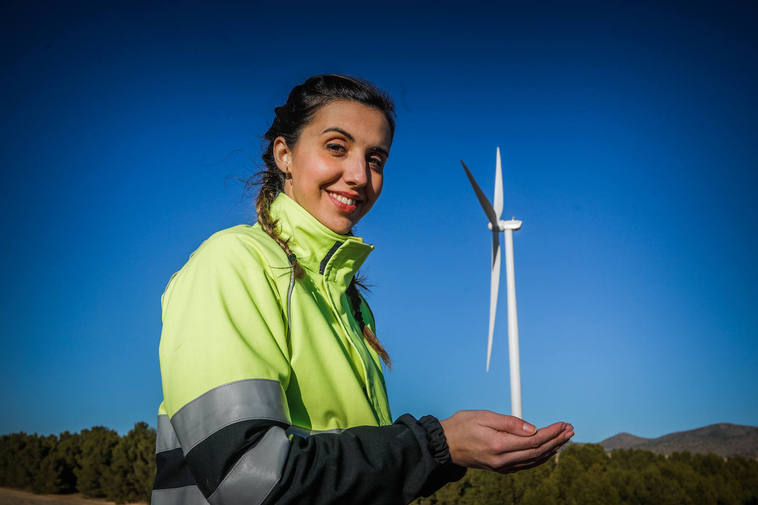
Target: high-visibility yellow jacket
[251,357]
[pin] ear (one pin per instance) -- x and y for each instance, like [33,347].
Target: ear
[282,154]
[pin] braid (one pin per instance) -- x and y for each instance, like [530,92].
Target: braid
[355,303]
[271,183]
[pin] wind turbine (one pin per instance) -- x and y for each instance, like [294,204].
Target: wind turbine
[497,225]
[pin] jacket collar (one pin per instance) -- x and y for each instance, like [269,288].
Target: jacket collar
[318,249]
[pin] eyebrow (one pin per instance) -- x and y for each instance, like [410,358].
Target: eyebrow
[340,130]
[352,139]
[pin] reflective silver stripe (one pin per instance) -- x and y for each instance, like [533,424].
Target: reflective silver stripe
[227,404]
[165,439]
[304,433]
[187,495]
[258,470]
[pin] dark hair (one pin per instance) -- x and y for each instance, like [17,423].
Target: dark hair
[306,99]
[302,104]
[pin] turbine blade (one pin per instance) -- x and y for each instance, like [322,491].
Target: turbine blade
[494,283]
[483,200]
[497,201]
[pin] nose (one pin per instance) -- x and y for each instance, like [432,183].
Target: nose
[356,172]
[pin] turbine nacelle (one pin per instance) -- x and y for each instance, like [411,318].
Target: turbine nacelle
[511,224]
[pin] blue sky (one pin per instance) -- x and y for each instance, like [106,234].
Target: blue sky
[628,133]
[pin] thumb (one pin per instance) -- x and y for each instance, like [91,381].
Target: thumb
[508,424]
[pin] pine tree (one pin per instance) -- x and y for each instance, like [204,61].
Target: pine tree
[97,448]
[21,456]
[587,454]
[132,471]
[57,471]
[593,487]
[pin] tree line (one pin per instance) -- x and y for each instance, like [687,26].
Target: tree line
[584,474]
[99,463]
[96,462]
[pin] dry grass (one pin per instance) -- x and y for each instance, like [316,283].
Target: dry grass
[16,497]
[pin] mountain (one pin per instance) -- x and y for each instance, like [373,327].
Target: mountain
[623,441]
[723,439]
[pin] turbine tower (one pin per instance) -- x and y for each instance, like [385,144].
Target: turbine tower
[496,225]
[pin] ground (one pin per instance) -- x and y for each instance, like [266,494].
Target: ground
[16,497]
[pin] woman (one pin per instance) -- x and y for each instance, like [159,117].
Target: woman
[272,379]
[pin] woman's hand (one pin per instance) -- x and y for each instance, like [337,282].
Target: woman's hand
[484,439]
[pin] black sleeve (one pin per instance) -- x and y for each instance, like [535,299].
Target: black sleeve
[368,465]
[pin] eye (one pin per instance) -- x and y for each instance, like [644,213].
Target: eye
[336,148]
[375,161]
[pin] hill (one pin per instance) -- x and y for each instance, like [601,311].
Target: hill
[623,441]
[724,439]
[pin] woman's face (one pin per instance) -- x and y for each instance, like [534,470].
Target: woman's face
[337,163]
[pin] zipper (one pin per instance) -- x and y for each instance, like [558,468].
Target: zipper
[350,338]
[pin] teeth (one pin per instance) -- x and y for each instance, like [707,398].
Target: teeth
[343,199]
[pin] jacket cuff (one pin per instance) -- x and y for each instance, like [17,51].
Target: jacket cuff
[439,449]
[435,435]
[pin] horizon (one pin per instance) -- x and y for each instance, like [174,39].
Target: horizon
[621,433]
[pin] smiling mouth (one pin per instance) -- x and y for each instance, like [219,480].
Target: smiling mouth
[343,202]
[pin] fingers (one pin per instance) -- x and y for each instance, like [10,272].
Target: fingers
[508,424]
[541,459]
[541,437]
[528,458]
[527,466]
[484,439]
